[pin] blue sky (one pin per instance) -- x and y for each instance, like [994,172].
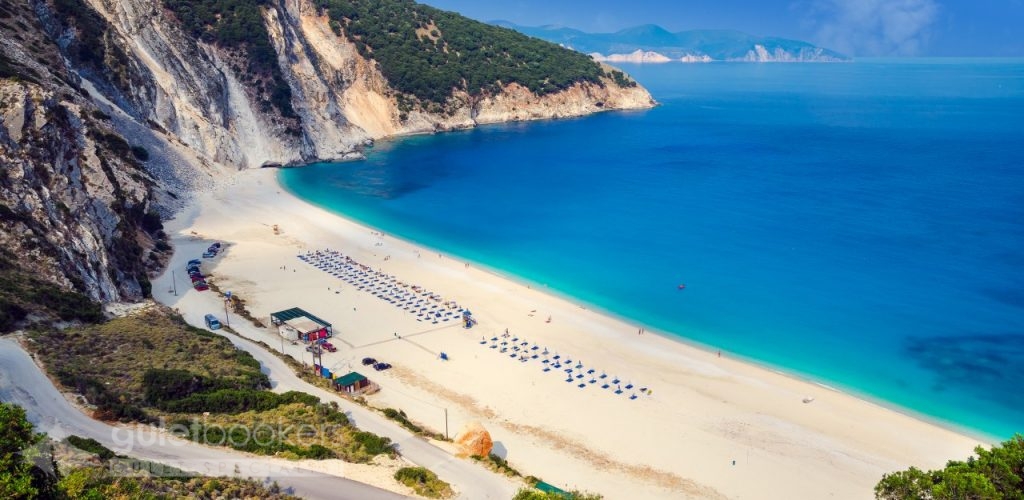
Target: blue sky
[856,27]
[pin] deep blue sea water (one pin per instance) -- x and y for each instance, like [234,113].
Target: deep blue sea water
[858,224]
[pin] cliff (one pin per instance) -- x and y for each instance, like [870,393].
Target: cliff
[199,92]
[115,111]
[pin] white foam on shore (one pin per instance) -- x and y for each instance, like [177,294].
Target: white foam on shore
[705,411]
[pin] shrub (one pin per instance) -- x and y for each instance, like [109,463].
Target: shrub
[423,482]
[373,444]
[92,446]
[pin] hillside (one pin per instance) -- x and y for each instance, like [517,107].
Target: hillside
[115,111]
[686,46]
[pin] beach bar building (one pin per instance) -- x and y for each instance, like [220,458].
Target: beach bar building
[297,324]
[351,383]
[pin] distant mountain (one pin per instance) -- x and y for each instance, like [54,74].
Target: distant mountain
[652,43]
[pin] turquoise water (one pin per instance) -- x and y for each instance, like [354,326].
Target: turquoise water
[859,224]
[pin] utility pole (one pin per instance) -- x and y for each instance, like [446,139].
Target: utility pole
[446,423]
[227,298]
[174,282]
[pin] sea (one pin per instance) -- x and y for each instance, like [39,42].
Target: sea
[860,225]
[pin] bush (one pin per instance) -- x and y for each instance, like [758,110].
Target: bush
[995,473]
[92,446]
[534,494]
[373,444]
[399,416]
[423,482]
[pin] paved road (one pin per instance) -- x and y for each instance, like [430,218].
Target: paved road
[22,382]
[471,480]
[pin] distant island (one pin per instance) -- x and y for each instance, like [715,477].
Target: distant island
[653,44]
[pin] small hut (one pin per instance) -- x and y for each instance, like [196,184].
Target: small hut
[351,383]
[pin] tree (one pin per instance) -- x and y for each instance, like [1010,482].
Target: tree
[910,483]
[16,436]
[994,474]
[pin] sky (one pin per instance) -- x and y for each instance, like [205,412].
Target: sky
[855,27]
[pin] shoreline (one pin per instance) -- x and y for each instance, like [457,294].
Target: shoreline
[713,427]
[795,375]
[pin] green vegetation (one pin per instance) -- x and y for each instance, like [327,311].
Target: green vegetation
[423,482]
[32,467]
[498,464]
[535,494]
[994,474]
[399,416]
[19,477]
[108,363]
[23,293]
[153,367]
[621,79]
[426,52]
[92,446]
[237,25]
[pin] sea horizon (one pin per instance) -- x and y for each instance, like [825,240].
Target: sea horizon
[714,166]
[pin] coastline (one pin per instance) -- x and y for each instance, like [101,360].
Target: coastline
[688,438]
[796,375]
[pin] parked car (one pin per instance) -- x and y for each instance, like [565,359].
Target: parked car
[369,361]
[201,287]
[216,245]
[313,348]
[209,255]
[381,366]
[194,262]
[212,322]
[330,347]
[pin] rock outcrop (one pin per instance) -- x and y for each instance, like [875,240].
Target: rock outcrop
[194,91]
[116,111]
[474,440]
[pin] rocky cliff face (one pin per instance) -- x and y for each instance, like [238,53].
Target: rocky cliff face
[193,90]
[113,112]
[73,201]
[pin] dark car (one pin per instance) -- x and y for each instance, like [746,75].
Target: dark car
[201,287]
[381,366]
[215,245]
[330,348]
[369,361]
[194,262]
[209,255]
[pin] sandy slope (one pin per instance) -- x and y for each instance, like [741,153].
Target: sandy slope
[713,427]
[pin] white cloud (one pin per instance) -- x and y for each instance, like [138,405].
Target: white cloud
[874,27]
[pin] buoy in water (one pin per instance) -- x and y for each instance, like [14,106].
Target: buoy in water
[682,286]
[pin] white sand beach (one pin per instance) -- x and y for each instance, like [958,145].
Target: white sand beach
[711,427]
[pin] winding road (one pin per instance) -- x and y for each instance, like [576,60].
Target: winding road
[22,382]
[470,480]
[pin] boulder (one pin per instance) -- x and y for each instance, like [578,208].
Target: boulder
[474,440]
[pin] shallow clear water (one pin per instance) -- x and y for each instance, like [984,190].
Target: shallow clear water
[860,224]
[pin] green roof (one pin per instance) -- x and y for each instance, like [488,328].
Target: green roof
[295,312]
[350,379]
[550,488]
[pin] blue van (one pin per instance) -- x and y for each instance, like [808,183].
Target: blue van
[212,322]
